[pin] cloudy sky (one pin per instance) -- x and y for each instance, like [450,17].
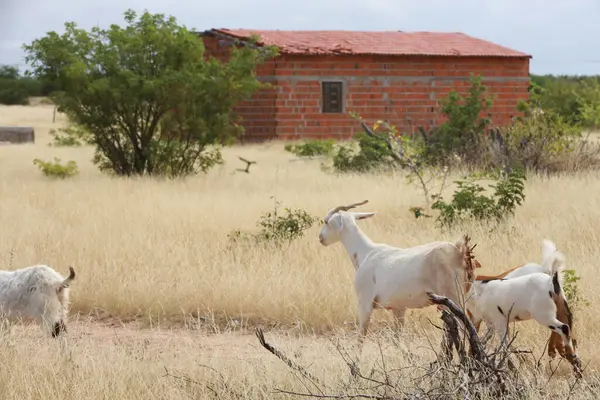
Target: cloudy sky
[559,34]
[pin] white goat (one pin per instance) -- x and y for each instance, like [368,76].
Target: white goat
[394,278]
[534,295]
[36,292]
[549,252]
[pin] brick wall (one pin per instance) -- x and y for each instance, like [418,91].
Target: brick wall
[404,90]
[259,112]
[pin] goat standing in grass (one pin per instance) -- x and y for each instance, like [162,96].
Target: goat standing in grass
[535,295]
[398,278]
[564,315]
[37,292]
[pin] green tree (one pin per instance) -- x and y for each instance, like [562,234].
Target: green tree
[16,89]
[153,103]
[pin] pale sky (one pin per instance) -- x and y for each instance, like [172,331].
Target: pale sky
[562,36]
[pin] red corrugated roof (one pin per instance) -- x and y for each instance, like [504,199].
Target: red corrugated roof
[367,42]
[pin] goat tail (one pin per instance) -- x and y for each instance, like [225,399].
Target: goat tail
[550,254]
[67,281]
[548,247]
[555,263]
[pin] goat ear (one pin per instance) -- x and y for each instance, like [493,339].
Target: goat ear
[336,222]
[364,215]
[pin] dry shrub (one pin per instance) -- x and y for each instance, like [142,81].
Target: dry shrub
[543,142]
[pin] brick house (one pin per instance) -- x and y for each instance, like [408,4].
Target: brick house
[320,76]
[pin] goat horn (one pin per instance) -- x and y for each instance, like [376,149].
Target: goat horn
[345,208]
[350,206]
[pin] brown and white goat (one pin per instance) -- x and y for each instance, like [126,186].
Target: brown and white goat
[535,292]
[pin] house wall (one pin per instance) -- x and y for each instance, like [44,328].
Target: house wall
[259,112]
[404,90]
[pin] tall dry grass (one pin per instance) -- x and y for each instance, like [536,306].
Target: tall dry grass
[157,251]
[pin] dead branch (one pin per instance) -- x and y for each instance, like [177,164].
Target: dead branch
[480,373]
[333,396]
[248,164]
[477,350]
[261,338]
[414,165]
[452,337]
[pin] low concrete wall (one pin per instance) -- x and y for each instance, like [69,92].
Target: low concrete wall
[17,134]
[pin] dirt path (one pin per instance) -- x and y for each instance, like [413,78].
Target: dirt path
[225,346]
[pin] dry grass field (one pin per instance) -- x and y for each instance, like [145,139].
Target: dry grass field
[160,287]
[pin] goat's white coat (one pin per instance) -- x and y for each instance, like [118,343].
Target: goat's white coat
[36,292]
[530,295]
[549,251]
[391,277]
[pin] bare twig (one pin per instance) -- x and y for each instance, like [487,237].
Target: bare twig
[478,374]
[248,164]
[261,338]
[332,396]
[414,165]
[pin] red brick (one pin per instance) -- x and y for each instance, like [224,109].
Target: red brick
[292,109]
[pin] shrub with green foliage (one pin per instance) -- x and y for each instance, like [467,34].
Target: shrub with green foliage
[461,137]
[463,132]
[16,89]
[372,155]
[71,136]
[276,228]
[588,99]
[469,201]
[543,142]
[311,148]
[571,289]
[56,169]
[154,104]
[572,97]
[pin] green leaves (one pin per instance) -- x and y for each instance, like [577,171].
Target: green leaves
[469,200]
[276,228]
[462,133]
[151,100]
[312,148]
[56,169]
[16,89]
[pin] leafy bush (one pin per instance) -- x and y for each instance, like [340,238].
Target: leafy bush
[56,169]
[588,99]
[542,142]
[311,148]
[462,134]
[16,89]
[559,96]
[372,155]
[278,229]
[461,137]
[72,136]
[470,202]
[571,289]
[164,114]
[571,97]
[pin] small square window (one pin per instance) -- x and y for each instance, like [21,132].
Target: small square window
[332,97]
